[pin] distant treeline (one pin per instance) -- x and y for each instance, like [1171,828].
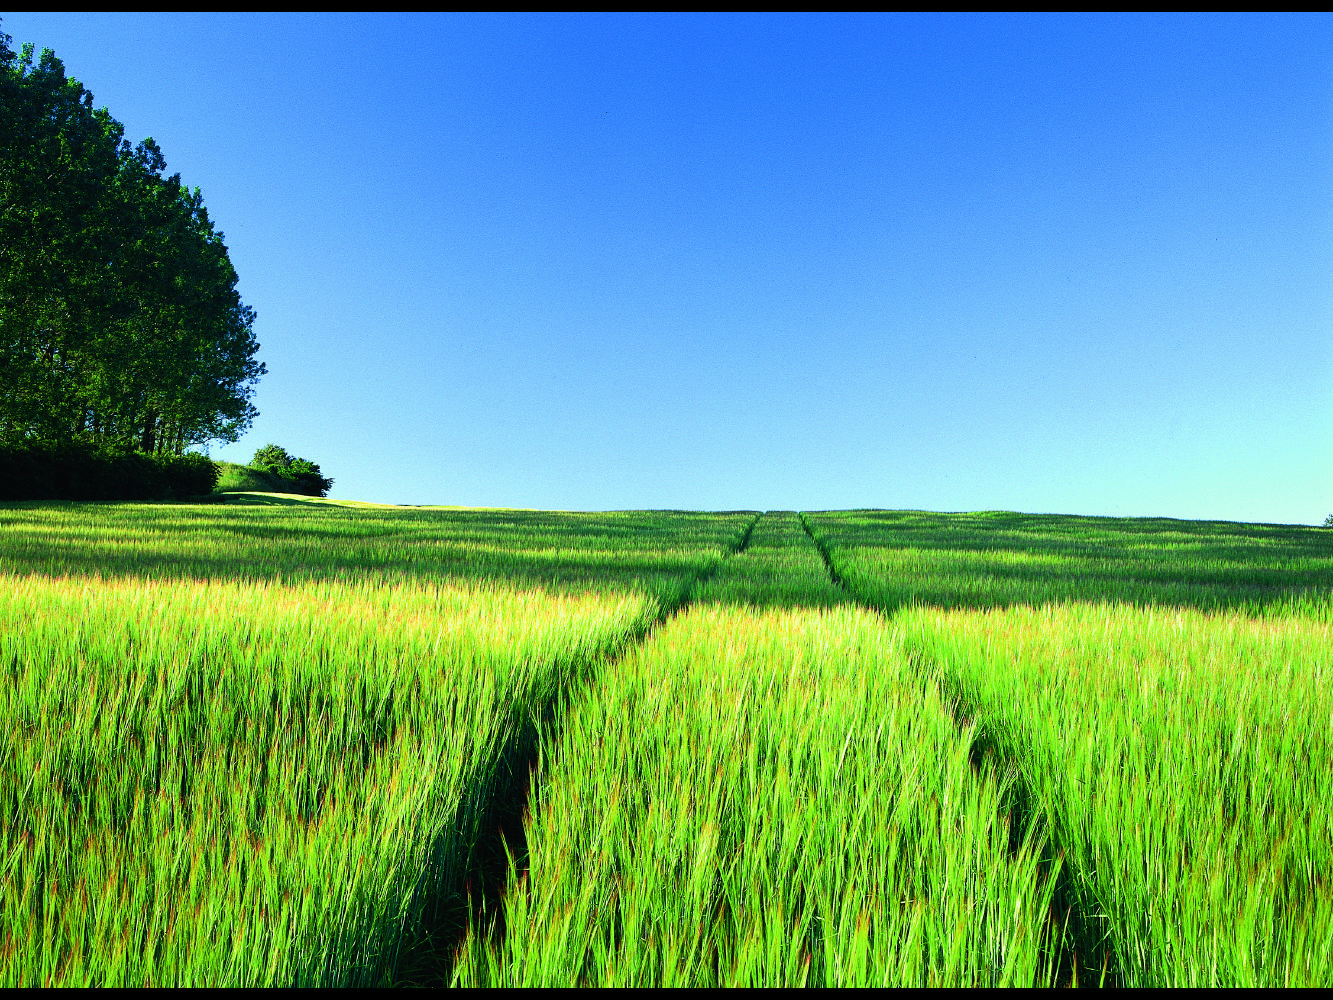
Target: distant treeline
[121,329]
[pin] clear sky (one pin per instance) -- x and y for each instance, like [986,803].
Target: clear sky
[1071,264]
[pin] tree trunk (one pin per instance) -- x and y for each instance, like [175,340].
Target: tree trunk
[149,441]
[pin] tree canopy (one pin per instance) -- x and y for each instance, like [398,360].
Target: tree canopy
[120,322]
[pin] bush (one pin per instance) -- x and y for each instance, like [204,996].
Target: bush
[90,472]
[191,474]
[300,474]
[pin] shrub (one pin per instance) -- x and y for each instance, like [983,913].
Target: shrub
[302,475]
[76,471]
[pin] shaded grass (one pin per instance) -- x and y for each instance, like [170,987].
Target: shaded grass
[308,542]
[998,559]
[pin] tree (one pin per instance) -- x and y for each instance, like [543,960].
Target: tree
[120,322]
[304,475]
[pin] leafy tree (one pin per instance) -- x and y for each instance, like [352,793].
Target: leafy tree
[304,475]
[120,323]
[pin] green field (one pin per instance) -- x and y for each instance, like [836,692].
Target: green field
[285,742]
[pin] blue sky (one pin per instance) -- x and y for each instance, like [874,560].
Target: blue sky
[1049,264]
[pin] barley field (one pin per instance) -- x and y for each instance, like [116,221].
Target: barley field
[289,743]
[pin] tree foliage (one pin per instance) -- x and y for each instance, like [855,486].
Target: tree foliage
[303,474]
[120,322]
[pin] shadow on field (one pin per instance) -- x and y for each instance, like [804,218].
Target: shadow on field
[1079,952]
[470,895]
[304,542]
[885,558]
[996,560]
[259,499]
